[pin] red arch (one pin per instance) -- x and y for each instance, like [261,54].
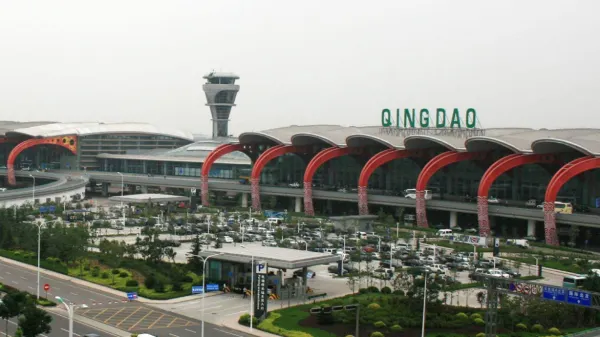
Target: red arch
[438,162]
[312,167]
[215,154]
[376,161]
[261,162]
[68,142]
[497,169]
[566,173]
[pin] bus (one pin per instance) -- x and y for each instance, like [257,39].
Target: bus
[574,281]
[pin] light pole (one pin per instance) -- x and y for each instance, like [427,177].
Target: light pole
[424,305]
[343,254]
[70,310]
[251,290]
[122,190]
[33,191]
[204,259]
[39,226]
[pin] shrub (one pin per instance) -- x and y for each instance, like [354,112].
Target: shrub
[177,286]
[396,328]
[104,275]
[349,336]
[245,320]
[115,271]
[461,316]
[96,271]
[386,290]
[325,317]
[374,306]
[187,279]
[537,328]
[132,283]
[159,287]
[481,334]
[475,316]
[134,335]
[86,267]
[376,334]
[123,274]
[554,331]
[399,292]
[363,290]
[479,322]
[372,289]
[379,325]
[521,327]
[150,281]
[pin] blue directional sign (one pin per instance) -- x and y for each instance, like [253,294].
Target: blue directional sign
[196,289]
[51,209]
[554,294]
[43,209]
[132,296]
[212,287]
[579,298]
[230,274]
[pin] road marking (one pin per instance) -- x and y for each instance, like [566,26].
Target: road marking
[173,335]
[192,331]
[5,334]
[124,319]
[236,313]
[8,273]
[151,325]
[138,322]
[229,333]
[115,314]
[30,287]
[65,330]
[56,288]
[23,278]
[173,321]
[100,313]
[15,282]
[74,294]
[215,307]
[1,278]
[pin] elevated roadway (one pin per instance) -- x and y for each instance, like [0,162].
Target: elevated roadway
[442,205]
[61,186]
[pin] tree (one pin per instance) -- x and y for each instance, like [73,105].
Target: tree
[34,322]
[5,315]
[193,260]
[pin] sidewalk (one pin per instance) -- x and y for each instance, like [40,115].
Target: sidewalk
[101,287]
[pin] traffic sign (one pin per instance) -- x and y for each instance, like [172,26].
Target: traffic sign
[554,294]
[212,287]
[579,298]
[261,267]
[197,290]
[46,287]
[132,296]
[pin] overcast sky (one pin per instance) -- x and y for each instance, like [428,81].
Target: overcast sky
[518,63]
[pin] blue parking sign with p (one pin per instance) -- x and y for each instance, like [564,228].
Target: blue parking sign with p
[261,267]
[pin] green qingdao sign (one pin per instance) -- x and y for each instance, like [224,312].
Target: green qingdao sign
[423,118]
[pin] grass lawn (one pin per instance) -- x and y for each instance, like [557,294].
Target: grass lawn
[564,265]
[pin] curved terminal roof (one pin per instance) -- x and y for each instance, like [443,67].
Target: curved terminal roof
[53,129]
[516,140]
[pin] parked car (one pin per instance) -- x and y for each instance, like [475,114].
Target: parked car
[493,200]
[498,273]
[298,273]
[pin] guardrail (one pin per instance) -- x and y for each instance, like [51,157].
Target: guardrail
[59,186]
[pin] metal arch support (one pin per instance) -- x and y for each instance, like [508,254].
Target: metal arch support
[312,167]
[497,169]
[215,154]
[261,162]
[376,161]
[438,162]
[68,142]
[566,173]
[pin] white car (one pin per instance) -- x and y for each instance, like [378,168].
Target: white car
[493,200]
[438,268]
[228,239]
[411,193]
[2,189]
[498,273]
[295,185]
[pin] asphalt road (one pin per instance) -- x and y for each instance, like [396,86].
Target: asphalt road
[111,310]
[60,328]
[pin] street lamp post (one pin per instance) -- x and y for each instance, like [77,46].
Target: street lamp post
[424,305]
[33,191]
[71,311]
[39,226]
[252,293]
[204,260]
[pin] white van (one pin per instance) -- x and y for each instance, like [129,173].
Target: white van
[273,221]
[411,193]
[444,232]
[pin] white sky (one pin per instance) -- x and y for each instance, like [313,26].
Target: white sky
[519,63]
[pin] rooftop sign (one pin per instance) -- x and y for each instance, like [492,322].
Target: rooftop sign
[440,122]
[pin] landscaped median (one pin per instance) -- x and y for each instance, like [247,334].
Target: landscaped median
[395,315]
[44,302]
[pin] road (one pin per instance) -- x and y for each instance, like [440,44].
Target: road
[112,310]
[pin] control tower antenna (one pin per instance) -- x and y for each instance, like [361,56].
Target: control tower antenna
[220,90]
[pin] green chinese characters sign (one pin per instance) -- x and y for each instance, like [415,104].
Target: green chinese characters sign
[423,118]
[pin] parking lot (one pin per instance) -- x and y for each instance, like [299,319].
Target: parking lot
[136,318]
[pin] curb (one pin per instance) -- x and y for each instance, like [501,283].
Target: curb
[101,287]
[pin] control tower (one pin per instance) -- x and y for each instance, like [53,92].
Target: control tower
[220,90]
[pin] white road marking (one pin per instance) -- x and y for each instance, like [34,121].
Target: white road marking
[8,273]
[229,333]
[1,278]
[192,331]
[56,288]
[74,294]
[15,282]
[173,335]
[65,330]
[30,287]
[5,334]
[236,313]
[23,278]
